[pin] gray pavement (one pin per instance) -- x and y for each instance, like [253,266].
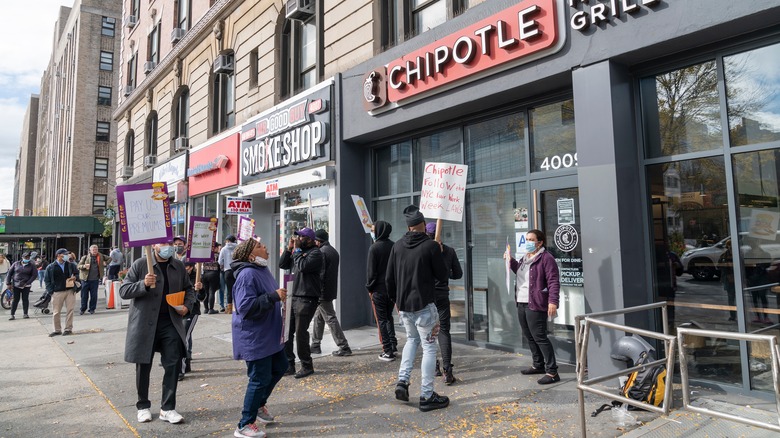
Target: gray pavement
[80,386]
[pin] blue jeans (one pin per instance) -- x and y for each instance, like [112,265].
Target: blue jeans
[40,277]
[421,327]
[263,375]
[89,290]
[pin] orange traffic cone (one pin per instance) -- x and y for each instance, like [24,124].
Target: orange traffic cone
[110,300]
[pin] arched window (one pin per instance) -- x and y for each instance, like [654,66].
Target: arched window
[150,136]
[181,112]
[129,148]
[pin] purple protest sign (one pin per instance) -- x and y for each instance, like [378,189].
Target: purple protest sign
[246,228]
[201,238]
[144,214]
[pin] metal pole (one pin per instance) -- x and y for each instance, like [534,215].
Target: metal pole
[585,334]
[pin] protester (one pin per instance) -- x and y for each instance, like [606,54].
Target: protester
[454,272]
[117,258]
[155,326]
[537,288]
[376,268]
[180,243]
[58,274]
[414,265]
[305,260]
[191,318]
[326,313]
[210,281]
[257,333]
[20,277]
[41,263]
[91,269]
[5,265]
[225,260]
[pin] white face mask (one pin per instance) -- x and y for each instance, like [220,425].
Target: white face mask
[261,261]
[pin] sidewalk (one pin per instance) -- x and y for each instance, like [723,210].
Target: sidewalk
[81,386]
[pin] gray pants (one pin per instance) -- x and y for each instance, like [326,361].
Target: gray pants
[326,313]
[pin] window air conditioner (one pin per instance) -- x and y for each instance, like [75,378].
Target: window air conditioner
[128,90]
[126,172]
[150,161]
[149,66]
[181,143]
[223,64]
[300,9]
[177,34]
[131,21]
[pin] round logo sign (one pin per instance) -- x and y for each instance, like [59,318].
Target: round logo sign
[566,238]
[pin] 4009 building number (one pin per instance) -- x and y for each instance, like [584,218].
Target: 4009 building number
[559,162]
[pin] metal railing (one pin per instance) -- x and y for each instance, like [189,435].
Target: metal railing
[583,324]
[775,355]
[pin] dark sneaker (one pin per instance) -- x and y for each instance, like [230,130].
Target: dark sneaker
[91,312]
[315,349]
[547,379]
[438,370]
[303,373]
[449,379]
[81,312]
[290,371]
[54,334]
[67,333]
[26,316]
[436,401]
[342,352]
[402,391]
[213,312]
[395,348]
[387,357]
[532,370]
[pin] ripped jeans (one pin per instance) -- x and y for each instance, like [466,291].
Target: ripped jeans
[422,327]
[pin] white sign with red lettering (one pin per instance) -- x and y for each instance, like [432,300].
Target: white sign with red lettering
[239,206]
[443,194]
[272,189]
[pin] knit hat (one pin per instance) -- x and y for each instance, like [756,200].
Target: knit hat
[413,216]
[62,251]
[231,238]
[430,228]
[321,235]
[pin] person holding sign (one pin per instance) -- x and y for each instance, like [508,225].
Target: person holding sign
[257,332]
[537,290]
[414,266]
[376,268]
[154,325]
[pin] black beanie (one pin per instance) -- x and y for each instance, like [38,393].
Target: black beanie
[413,216]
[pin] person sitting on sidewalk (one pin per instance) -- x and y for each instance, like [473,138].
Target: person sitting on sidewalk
[326,313]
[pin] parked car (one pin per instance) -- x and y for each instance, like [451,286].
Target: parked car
[702,263]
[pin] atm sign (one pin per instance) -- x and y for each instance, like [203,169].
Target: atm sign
[239,206]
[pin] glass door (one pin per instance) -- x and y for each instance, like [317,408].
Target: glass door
[556,206]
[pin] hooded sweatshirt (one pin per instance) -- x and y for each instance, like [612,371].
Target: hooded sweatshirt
[378,255]
[414,266]
[226,255]
[257,321]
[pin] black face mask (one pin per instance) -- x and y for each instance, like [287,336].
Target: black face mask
[307,243]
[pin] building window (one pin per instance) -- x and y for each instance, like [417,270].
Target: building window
[223,111]
[106,60]
[101,167]
[151,134]
[400,20]
[299,53]
[154,45]
[181,113]
[183,14]
[129,149]
[135,8]
[253,68]
[99,203]
[108,27]
[104,95]
[132,68]
[103,131]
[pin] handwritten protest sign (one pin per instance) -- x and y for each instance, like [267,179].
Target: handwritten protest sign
[443,194]
[362,211]
[201,238]
[246,228]
[144,214]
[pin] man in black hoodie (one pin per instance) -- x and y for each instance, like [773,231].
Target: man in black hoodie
[326,313]
[414,265]
[378,255]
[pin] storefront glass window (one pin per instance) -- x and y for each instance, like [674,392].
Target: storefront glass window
[197,206]
[442,147]
[391,211]
[758,186]
[495,149]
[682,111]
[211,205]
[552,136]
[306,207]
[393,169]
[752,84]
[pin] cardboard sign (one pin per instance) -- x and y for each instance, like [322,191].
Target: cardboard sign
[144,214]
[363,214]
[239,206]
[246,228]
[201,237]
[443,194]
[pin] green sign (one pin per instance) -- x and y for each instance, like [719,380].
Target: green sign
[2,224]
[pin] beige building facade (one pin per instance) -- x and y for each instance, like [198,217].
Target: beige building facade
[24,183]
[76,145]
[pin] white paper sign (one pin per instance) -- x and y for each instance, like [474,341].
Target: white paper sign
[443,194]
[763,224]
[246,228]
[362,211]
[146,216]
[286,311]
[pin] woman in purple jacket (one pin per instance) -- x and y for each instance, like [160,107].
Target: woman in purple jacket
[257,332]
[536,293]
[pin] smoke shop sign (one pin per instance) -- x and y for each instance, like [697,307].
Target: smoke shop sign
[593,12]
[525,32]
[292,134]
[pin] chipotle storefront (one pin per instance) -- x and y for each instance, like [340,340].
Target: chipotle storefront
[574,119]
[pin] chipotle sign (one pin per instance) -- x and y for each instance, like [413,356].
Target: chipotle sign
[522,33]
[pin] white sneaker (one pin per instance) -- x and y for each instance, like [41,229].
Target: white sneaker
[171,416]
[249,431]
[144,416]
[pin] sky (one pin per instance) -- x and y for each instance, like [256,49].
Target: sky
[26,29]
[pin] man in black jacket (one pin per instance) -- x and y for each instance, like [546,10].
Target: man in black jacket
[326,313]
[305,260]
[376,268]
[454,272]
[415,264]
[56,277]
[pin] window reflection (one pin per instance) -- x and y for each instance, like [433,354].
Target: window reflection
[495,149]
[394,169]
[552,136]
[442,147]
[392,212]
